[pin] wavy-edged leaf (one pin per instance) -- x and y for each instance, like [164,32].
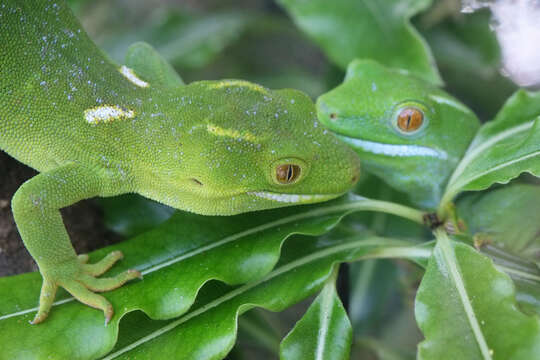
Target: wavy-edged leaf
[177,259]
[209,331]
[378,30]
[502,149]
[466,309]
[324,332]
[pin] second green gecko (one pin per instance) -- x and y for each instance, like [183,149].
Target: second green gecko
[95,128]
[407,131]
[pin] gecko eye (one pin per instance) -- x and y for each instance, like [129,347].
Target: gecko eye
[410,119]
[287,173]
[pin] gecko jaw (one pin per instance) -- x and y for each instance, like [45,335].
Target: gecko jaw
[395,150]
[293,198]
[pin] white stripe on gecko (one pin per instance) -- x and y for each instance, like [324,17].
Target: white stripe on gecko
[292,198]
[395,150]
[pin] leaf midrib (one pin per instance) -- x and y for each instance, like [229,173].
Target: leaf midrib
[448,256]
[468,180]
[472,154]
[372,241]
[358,203]
[327,305]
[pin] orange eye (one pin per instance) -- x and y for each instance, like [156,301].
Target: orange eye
[287,173]
[410,119]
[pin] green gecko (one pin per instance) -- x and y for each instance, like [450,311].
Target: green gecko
[95,128]
[408,132]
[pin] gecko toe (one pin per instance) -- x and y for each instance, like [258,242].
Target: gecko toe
[104,264]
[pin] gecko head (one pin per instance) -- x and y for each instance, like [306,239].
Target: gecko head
[407,131]
[259,149]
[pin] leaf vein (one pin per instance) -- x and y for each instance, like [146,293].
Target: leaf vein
[448,256]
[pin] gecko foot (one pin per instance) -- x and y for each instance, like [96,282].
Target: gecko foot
[79,279]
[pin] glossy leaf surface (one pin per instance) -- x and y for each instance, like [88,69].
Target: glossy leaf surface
[502,149]
[466,309]
[209,331]
[132,214]
[324,332]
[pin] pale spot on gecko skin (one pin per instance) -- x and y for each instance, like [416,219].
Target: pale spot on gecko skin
[239,83]
[130,75]
[231,133]
[106,114]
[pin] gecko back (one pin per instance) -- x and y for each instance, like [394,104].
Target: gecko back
[53,75]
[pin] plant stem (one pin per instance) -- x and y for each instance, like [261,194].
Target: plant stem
[366,204]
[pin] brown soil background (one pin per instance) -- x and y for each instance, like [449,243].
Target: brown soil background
[84,222]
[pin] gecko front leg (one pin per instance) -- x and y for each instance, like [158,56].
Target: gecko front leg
[36,208]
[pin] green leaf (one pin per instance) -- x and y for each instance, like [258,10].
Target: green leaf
[367,348]
[502,149]
[466,309]
[528,296]
[261,329]
[378,30]
[177,259]
[324,332]
[372,285]
[509,217]
[209,331]
[133,214]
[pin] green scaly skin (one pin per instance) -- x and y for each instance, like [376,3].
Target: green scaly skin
[94,128]
[363,110]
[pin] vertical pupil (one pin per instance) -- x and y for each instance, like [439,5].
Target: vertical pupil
[410,119]
[289,172]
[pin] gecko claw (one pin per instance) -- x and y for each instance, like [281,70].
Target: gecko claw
[135,273]
[38,318]
[109,313]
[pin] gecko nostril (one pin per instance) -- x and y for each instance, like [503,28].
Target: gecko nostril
[355,170]
[333,116]
[196,181]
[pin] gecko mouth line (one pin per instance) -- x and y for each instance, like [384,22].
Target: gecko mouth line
[394,150]
[293,198]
